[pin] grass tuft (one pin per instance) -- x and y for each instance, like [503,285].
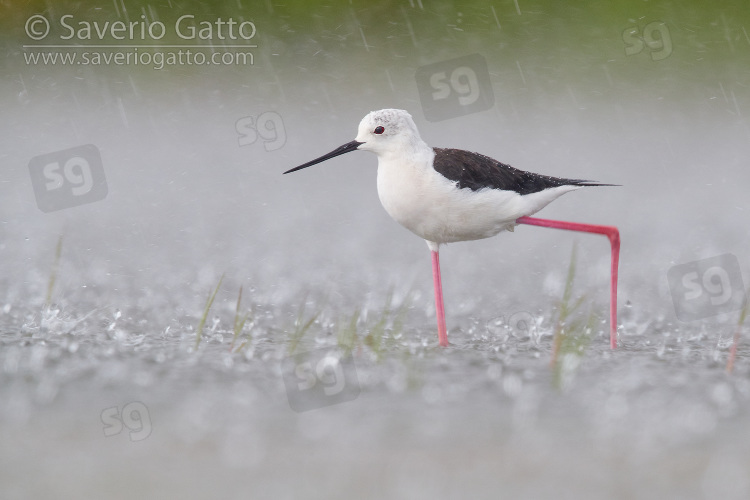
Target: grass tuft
[301,326]
[565,307]
[209,303]
[239,322]
[572,335]
[735,343]
[573,344]
[53,273]
[377,338]
[347,335]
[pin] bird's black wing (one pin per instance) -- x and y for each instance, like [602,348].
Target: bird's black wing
[475,171]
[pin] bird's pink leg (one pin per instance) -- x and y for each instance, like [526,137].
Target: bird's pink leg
[610,232]
[439,308]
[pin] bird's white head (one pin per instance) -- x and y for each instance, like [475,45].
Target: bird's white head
[384,132]
[388,131]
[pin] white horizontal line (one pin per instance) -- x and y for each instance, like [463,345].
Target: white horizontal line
[140,46]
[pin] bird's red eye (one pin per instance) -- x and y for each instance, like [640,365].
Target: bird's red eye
[379,130]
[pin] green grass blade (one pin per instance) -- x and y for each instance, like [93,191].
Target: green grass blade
[239,321]
[347,336]
[209,303]
[301,328]
[53,272]
[566,309]
[736,339]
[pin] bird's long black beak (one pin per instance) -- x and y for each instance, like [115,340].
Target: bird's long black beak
[349,146]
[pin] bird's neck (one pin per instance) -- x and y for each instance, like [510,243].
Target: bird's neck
[415,151]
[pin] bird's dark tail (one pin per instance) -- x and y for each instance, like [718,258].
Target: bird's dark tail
[580,182]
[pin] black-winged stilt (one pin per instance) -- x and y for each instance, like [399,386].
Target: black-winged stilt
[450,195]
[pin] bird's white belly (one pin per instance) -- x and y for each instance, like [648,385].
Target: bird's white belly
[432,207]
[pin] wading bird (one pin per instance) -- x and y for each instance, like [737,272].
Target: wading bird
[450,195]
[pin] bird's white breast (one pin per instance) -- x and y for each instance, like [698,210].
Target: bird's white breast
[432,207]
